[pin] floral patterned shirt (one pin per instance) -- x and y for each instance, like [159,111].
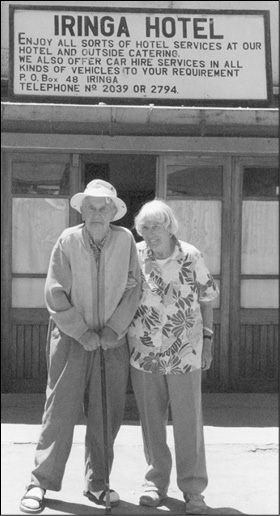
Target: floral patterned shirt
[166,332]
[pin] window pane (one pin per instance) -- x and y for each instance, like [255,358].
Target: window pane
[259,293]
[41,178]
[260,182]
[200,225]
[37,223]
[260,244]
[28,293]
[194,181]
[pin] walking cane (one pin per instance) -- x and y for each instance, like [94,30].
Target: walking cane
[105,429]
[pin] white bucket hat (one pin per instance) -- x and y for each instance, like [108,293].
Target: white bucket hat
[99,188]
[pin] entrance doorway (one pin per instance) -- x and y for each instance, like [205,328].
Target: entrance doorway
[133,176]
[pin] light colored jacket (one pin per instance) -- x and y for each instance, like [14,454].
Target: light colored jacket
[78,297]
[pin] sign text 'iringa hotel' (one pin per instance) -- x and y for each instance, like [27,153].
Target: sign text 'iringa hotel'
[167,27]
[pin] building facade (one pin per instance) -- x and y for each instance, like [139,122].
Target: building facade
[163,113]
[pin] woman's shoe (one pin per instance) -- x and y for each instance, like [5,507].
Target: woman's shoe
[195,504]
[151,498]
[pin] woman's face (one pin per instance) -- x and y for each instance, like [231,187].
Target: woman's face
[156,236]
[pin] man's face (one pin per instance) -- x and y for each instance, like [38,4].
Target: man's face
[97,213]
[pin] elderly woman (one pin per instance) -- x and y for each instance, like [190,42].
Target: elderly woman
[170,342]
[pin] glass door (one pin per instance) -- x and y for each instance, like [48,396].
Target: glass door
[38,188]
[198,190]
[40,212]
[255,269]
[228,208]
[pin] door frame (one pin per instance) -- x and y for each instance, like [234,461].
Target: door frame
[221,315]
[231,316]
[240,316]
[23,317]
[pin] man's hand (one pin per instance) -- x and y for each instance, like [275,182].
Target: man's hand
[90,340]
[108,338]
[131,282]
[206,356]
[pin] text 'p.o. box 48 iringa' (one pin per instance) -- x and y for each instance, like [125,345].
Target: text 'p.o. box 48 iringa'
[138,56]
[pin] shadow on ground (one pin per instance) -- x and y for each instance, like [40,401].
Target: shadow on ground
[171,505]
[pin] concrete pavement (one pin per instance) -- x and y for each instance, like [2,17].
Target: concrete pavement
[241,435]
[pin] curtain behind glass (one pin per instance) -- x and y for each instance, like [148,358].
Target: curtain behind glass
[37,223]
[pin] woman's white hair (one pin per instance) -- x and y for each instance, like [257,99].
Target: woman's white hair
[156,211]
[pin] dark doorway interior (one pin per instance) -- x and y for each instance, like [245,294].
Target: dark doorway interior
[133,176]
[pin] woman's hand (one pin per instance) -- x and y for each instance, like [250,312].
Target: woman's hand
[206,356]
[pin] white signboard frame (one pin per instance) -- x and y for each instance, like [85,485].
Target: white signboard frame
[140,56]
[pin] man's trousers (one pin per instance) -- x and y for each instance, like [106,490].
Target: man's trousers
[71,371]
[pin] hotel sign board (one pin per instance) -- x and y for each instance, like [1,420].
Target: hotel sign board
[139,56]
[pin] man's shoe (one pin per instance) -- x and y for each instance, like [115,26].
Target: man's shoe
[151,498]
[195,504]
[32,500]
[99,497]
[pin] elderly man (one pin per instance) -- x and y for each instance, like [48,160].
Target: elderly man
[92,293]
